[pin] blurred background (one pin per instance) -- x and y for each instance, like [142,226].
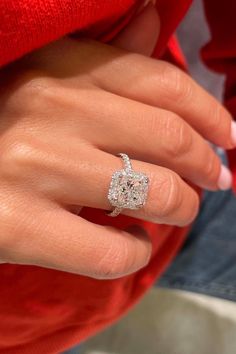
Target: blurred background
[172,321]
[193,33]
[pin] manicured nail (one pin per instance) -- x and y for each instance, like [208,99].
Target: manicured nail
[146,3]
[233,132]
[225,179]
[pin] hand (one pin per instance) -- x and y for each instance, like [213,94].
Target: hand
[66,110]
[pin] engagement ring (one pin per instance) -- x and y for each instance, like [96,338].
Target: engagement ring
[128,188]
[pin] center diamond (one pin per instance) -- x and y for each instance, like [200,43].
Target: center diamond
[128,189]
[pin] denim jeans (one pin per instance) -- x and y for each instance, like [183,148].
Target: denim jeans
[74,350]
[207,262]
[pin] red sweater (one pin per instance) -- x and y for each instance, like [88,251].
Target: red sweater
[47,311]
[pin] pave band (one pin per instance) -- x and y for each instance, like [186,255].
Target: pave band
[128,188]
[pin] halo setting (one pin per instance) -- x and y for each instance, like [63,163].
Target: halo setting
[128,188]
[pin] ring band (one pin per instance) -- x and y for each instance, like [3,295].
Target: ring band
[128,188]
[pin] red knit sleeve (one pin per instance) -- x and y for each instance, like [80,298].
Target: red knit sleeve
[220,53]
[29,24]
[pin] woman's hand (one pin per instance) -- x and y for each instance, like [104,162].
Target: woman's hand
[66,110]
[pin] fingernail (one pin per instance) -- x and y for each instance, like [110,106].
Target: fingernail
[145,4]
[233,132]
[225,179]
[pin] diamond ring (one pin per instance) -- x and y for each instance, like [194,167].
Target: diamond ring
[128,188]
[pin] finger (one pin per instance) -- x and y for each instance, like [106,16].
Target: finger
[134,38]
[156,136]
[79,174]
[170,200]
[145,80]
[165,86]
[54,238]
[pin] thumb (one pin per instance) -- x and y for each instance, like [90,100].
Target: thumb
[141,35]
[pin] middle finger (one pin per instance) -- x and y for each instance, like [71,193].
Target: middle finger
[160,137]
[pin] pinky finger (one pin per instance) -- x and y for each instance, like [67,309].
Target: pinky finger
[67,242]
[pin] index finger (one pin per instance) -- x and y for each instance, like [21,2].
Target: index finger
[163,85]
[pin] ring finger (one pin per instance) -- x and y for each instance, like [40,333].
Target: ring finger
[170,200]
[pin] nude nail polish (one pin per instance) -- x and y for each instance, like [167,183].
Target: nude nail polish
[225,178]
[145,4]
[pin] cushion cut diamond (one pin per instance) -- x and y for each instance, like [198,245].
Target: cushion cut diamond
[128,189]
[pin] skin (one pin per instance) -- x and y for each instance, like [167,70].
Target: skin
[66,110]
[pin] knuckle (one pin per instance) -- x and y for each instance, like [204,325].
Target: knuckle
[192,210]
[177,83]
[115,262]
[16,157]
[216,114]
[211,167]
[169,195]
[172,196]
[34,83]
[31,83]
[178,137]
[39,90]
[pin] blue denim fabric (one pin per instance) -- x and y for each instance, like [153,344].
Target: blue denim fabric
[74,350]
[207,262]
